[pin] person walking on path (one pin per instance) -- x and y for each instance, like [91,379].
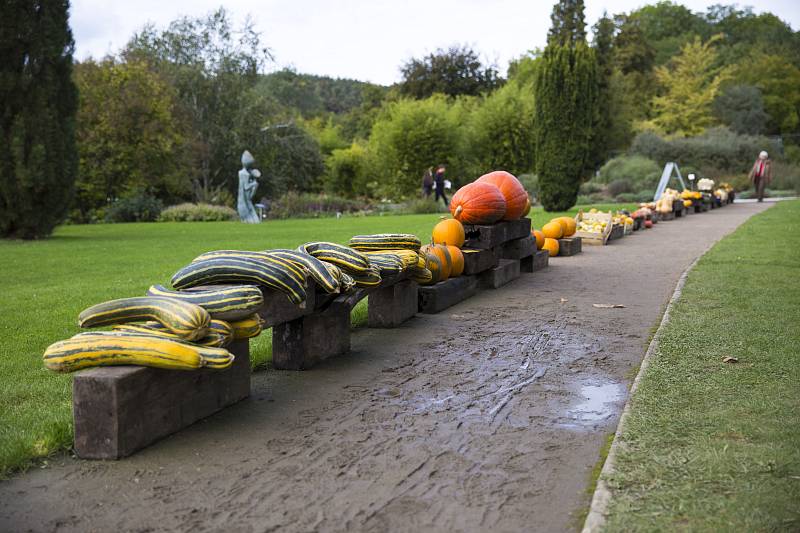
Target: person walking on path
[427,183]
[761,174]
[439,180]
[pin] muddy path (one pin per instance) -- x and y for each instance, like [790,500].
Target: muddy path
[488,416]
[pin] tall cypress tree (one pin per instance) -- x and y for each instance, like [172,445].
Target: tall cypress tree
[568,23]
[38,101]
[601,134]
[566,89]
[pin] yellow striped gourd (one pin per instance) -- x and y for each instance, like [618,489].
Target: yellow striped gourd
[109,348]
[385,241]
[241,270]
[314,266]
[185,319]
[220,333]
[223,303]
[297,269]
[247,328]
[349,260]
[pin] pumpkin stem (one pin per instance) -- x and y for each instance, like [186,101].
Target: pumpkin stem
[459,209]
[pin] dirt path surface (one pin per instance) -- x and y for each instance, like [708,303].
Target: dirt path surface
[488,416]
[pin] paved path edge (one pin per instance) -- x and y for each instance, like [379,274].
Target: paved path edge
[601,498]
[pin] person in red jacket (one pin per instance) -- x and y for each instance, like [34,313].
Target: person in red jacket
[761,174]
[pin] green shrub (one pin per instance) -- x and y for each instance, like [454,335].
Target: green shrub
[197,213]
[346,172]
[620,186]
[411,136]
[501,131]
[296,205]
[138,208]
[626,197]
[590,187]
[718,148]
[639,172]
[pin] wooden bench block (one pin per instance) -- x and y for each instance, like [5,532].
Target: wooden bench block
[667,216]
[119,410]
[493,235]
[518,248]
[540,260]
[391,306]
[508,270]
[277,308]
[517,229]
[435,298]
[478,260]
[569,246]
[303,342]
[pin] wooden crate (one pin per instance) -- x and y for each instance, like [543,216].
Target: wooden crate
[594,238]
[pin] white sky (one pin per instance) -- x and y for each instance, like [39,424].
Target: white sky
[362,39]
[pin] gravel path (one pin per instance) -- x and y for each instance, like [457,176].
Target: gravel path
[488,416]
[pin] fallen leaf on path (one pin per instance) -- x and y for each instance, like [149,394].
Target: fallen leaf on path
[608,306]
[564,300]
[729,359]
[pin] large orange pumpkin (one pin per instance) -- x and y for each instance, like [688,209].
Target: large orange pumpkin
[457,260]
[449,231]
[527,207]
[553,230]
[551,245]
[511,189]
[539,238]
[478,203]
[570,226]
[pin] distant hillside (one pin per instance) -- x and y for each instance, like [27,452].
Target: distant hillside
[313,95]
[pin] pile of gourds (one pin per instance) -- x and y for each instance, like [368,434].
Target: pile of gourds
[495,196]
[214,300]
[556,228]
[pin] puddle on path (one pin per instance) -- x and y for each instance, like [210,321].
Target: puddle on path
[600,400]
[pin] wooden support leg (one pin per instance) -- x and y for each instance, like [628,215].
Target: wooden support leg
[301,343]
[119,410]
[391,306]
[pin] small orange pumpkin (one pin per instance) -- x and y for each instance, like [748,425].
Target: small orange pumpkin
[443,254]
[553,230]
[449,231]
[539,238]
[551,245]
[434,264]
[457,260]
[478,203]
[511,189]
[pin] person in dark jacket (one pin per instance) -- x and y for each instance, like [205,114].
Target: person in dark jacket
[761,174]
[427,183]
[438,179]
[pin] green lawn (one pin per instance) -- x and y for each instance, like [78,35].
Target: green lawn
[50,281]
[714,446]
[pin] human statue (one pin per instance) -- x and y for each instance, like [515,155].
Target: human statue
[248,183]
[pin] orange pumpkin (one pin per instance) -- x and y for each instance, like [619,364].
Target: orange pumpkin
[457,260]
[570,226]
[539,238]
[443,254]
[511,189]
[450,232]
[478,203]
[552,230]
[551,245]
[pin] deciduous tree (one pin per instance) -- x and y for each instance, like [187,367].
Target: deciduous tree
[455,71]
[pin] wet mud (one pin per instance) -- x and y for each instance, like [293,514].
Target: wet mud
[487,416]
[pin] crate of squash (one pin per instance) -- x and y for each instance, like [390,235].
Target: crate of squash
[593,227]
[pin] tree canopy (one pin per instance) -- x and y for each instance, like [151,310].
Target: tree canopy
[455,71]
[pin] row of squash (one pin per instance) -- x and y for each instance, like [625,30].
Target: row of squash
[214,299]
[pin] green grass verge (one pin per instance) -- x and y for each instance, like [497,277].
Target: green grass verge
[49,282]
[714,446]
